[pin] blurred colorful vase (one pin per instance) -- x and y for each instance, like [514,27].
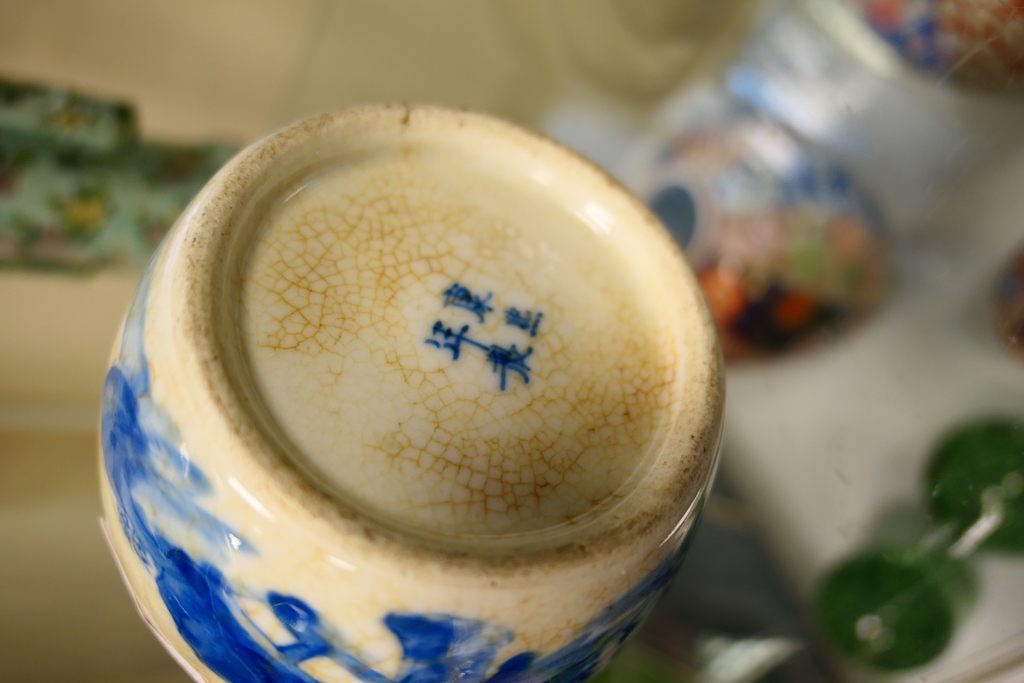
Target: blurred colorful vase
[975,41]
[785,247]
[1009,304]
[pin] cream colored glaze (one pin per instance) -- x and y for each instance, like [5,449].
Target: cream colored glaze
[326,542]
[341,295]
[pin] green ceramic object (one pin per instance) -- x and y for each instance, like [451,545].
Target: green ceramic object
[981,462]
[35,118]
[896,608]
[78,190]
[97,212]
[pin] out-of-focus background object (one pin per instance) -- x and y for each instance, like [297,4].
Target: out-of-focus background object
[37,119]
[898,606]
[1008,303]
[823,447]
[829,444]
[975,42]
[908,136]
[78,189]
[786,248]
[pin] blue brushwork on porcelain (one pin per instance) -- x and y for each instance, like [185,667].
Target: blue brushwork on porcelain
[450,339]
[524,320]
[460,296]
[158,490]
[502,359]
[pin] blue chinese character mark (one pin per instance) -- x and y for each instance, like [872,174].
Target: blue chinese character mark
[461,297]
[503,360]
[528,321]
[451,340]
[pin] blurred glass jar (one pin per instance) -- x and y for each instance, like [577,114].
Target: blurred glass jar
[640,50]
[821,68]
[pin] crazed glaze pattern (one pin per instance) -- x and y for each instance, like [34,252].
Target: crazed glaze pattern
[158,491]
[497,366]
[260,498]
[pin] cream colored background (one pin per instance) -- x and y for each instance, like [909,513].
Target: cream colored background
[236,69]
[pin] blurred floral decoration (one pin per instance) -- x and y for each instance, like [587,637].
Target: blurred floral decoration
[784,244]
[980,42]
[78,189]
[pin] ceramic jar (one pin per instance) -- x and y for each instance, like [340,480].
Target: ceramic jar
[289,513]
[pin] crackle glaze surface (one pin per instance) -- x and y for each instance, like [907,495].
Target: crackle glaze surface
[294,382]
[453,348]
[247,635]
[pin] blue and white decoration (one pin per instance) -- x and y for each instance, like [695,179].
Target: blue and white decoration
[149,470]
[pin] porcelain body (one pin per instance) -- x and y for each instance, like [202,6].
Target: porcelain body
[251,568]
